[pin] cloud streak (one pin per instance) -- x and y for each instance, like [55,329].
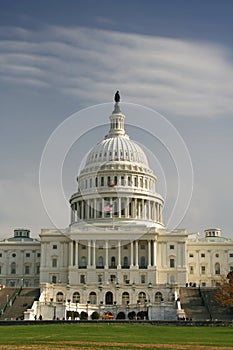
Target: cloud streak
[184,78]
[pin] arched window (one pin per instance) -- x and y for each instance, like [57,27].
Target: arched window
[76,297]
[125,261]
[113,261]
[92,298]
[83,261]
[217,269]
[143,261]
[13,268]
[158,296]
[59,297]
[142,297]
[125,298]
[109,298]
[100,261]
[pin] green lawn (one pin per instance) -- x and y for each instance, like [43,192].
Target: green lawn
[65,336]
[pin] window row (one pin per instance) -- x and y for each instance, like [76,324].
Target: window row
[27,269]
[111,181]
[109,298]
[203,269]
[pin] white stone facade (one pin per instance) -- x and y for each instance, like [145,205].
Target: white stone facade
[20,260]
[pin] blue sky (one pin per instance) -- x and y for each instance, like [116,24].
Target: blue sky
[57,57]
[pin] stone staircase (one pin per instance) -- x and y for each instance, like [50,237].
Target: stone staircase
[217,311]
[6,294]
[193,304]
[23,301]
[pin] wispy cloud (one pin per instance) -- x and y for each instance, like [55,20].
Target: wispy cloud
[174,76]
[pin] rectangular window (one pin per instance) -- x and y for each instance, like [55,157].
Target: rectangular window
[101,247]
[129,181]
[172,262]
[0,255]
[191,255]
[115,180]
[143,247]
[203,270]
[191,269]
[27,270]
[143,279]
[202,255]
[38,255]
[113,247]
[54,279]
[231,255]
[54,246]
[82,279]
[37,269]
[54,262]
[125,246]
[203,284]
[102,181]
[27,255]
[112,278]
[172,246]
[125,278]
[83,246]
[231,268]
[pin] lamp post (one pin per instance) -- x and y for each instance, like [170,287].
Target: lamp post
[88,302]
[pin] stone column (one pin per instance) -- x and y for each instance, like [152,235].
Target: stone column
[131,254]
[76,253]
[102,208]
[88,209]
[93,255]
[149,253]
[119,255]
[106,254]
[89,254]
[95,208]
[119,207]
[149,208]
[154,253]
[71,253]
[82,211]
[136,208]
[136,253]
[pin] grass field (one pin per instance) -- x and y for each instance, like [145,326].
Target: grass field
[113,336]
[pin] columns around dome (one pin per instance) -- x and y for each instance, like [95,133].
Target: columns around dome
[134,208]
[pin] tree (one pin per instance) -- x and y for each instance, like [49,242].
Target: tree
[224,294]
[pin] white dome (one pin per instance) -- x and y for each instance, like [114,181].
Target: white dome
[118,148]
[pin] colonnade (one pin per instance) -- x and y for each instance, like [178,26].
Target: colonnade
[92,246]
[122,207]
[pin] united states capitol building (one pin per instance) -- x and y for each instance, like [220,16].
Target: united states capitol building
[117,255]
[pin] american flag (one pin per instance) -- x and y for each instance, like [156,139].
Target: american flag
[108,208]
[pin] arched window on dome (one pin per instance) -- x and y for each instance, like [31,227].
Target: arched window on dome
[96,181]
[76,297]
[217,269]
